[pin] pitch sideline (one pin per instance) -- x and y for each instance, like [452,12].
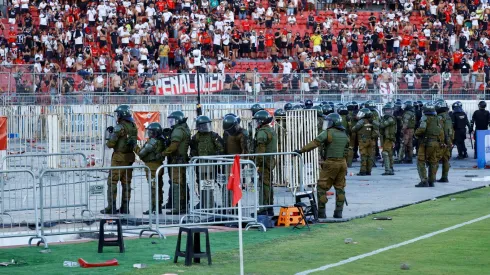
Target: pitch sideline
[362,256]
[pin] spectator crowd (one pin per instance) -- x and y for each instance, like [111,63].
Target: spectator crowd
[328,45]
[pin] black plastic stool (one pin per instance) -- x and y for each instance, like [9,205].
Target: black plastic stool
[309,210]
[193,246]
[111,242]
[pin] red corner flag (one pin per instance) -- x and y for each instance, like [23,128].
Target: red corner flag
[234,181]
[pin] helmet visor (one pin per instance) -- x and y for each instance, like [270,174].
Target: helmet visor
[171,121]
[205,127]
[327,124]
[388,111]
[360,114]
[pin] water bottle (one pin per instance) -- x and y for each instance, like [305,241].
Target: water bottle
[70,264]
[160,257]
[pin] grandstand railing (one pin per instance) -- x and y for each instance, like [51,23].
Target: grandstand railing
[20,85]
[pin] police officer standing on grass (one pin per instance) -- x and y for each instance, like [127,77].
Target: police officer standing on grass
[206,143]
[447,124]
[335,143]
[150,155]
[122,138]
[480,120]
[460,122]
[176,153]
[265,142]
[388,131]
[367,134]
[431,137]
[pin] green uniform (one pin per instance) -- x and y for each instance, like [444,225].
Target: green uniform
[430,135]
[206,144]
[346,124]
[408,127]
[333,169]
[122,140]
[236,144]
[388,137]
[353,141]
[445,152]
[367,134]
[266,142]
[177,154]
[151,156]
[376,121]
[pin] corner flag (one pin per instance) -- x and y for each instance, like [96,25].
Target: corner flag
[234,181]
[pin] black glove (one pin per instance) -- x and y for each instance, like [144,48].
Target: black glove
[110,129]
[298,152]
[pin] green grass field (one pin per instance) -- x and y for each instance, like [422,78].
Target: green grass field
[284,251]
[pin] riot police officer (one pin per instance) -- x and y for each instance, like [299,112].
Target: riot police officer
[352,155]
[376,119]
[150,155]
[460,122]
[480,120]
[335,142]
[445,152]
[398,113]
[235,138]
[408,128]
[366,133]
[388,131]
[265,142]
[431,138]
[176,153]
[122,138]
[206,143]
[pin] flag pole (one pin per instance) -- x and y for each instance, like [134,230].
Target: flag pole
[240,237]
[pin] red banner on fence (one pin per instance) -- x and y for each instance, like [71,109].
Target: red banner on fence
[3,133]
[142,119]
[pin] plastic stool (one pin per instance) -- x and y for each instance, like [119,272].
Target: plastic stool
[290,216]
[193,245]
[111,242]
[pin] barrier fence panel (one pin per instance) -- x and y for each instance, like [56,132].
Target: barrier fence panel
[302,126]
[38,162]
[73,200]
[199,194]
[19,205]
[269,172]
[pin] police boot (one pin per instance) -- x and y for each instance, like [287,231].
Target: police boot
[431,184]
[422,184]
[337,214]
[386,162]
[443,180]
[111,200]
[361,174]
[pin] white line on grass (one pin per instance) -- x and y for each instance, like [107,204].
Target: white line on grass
[362,256]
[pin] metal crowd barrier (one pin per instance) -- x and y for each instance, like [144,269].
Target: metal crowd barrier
[38,162]
[206,199]
[71,199]
[19,207]
[279,195]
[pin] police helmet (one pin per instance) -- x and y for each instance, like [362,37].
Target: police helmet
[262,117]
[333,120]
[153,130]
[308,104]
[482,104]
[342,110]
[364,113]
[288,107]
[176,118]
[123,112]
[255,108]
[203,124]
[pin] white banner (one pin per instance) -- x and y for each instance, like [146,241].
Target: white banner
[186,84]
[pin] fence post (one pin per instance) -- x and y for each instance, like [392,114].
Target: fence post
[441,85]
